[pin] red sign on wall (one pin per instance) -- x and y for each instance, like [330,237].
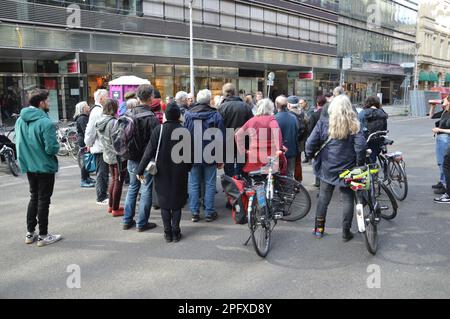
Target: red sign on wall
[72,67]
[306,75]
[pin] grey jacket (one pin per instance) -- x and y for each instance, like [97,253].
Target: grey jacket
[104,127]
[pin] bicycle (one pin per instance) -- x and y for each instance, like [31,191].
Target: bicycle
[67,138]
[362,181]
[383,192]
[393,167]
[272,197]
[7,155]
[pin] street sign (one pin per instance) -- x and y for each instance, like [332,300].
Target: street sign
[407,65]
[270,83]
[271,76]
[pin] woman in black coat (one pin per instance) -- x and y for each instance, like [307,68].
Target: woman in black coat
[171,181]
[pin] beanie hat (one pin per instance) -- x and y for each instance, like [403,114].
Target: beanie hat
[172,112]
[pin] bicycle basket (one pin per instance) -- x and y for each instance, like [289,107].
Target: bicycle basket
[235,190]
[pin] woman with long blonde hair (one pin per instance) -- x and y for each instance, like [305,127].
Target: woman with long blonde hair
[336,144]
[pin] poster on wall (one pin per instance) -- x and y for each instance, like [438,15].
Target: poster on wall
[53,103]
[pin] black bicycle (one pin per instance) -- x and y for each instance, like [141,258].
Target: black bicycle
[383,182]
[393,167]
[272,197]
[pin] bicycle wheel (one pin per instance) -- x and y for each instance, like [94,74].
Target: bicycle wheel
[260,230]
[370,234]
[72,139]
[293,198]
[398,180]
[13,166]
[386,201]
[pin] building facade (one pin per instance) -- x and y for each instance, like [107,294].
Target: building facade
[433,39]
[74,47]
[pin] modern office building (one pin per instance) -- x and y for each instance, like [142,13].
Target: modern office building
[74,47]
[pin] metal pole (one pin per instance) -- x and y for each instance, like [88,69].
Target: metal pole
[416,69]
[191,48]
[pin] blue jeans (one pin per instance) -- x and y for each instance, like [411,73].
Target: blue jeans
[442,143]
[145,203]
[209,172]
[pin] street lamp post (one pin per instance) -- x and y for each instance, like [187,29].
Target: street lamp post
[191,48]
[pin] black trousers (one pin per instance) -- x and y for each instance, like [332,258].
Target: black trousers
[41,190]
[446,167]
[171,219]
[348,201]
[101,185]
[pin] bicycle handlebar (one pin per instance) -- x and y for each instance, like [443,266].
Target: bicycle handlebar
[376,133]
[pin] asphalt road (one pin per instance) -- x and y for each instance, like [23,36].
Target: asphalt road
[413,260]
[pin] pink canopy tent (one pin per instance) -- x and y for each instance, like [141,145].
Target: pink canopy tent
[124,84]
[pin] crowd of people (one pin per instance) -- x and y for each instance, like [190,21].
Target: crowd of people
[332,136]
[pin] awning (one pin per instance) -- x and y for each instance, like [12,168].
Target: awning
[447,78]
[433,77]
[424,76]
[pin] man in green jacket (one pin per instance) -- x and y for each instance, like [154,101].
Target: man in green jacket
[37,147]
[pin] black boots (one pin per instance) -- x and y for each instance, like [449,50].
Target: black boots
[168,236]
[347,235]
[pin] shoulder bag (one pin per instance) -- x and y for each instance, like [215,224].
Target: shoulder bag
[151,167]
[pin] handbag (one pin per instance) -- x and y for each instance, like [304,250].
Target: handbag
[151,167]
[89,162]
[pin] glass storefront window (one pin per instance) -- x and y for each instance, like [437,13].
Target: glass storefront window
[165,85]
[164,69]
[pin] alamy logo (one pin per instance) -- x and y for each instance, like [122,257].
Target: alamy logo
[74,16]
[374,279]
[374,18]
[74,279]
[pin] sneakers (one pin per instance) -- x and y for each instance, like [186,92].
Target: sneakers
[437,186]
[48,240]
[444,199]
[31,238]
[148,226]
[211,217]
[440,191]
[195,218]
[347,235]
[103,202]
[128,226]
[87,184]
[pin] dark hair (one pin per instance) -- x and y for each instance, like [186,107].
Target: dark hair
[328,95]
[37,96]
[145,92]
[157,94]
[130,95]
[372,101]
[321,100]
[110,107]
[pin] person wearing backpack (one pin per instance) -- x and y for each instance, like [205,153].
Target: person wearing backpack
[92,140]
[373,119]
[116,164]
[144,122]
[202,171]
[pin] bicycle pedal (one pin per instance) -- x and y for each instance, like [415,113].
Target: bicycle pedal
[278,215]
